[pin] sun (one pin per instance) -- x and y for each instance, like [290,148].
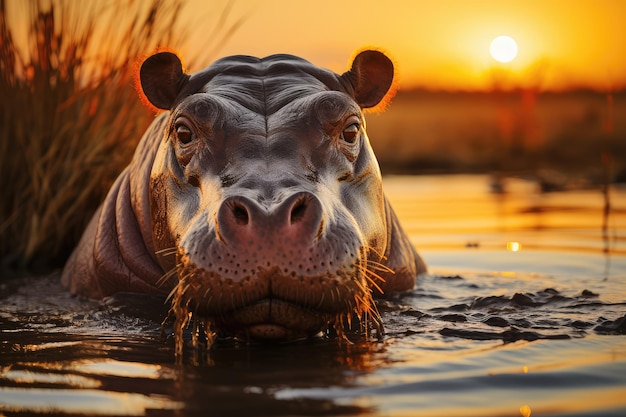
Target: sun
[503,49]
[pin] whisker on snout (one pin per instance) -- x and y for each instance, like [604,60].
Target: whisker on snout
[362,306]
[167,251]
[167,276]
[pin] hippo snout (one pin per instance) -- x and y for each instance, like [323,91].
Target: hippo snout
[272,271]
[297,219]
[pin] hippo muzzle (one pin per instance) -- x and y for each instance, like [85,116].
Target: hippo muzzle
[260,200]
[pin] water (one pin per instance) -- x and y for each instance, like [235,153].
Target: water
[522,313]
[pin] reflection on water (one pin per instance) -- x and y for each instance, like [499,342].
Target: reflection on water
[522,313]
[556,232]
[99,402]
[451,212]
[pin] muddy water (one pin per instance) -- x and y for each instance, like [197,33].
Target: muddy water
[522,313]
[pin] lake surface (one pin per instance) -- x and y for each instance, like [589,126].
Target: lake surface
[523,312]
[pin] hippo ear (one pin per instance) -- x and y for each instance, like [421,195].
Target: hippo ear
[371,77]
[162,79]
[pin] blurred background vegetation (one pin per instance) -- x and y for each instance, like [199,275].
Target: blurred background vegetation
[570,138]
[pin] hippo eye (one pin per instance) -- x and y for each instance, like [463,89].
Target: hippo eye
[184,134]
[351,133]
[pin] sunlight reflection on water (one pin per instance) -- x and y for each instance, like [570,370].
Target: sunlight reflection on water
[444,213]
[123,369]
[85,401]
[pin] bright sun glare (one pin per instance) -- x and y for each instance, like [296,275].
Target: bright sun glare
[503,49]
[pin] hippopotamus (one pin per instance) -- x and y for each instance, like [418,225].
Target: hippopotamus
[254,200]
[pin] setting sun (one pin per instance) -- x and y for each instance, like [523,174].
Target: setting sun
[503,49]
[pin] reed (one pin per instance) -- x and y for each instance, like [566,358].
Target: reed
[69,114]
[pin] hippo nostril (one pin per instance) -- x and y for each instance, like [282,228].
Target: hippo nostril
[297,211]
[235,218]
[300,216]
[240,213]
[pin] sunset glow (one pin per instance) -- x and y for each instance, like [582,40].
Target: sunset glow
[441,45]
[436,45]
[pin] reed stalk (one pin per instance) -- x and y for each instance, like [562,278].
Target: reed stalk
[69,114]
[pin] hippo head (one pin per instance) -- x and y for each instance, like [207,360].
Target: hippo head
[266,197]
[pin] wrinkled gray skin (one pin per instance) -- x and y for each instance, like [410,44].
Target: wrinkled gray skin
[256,197]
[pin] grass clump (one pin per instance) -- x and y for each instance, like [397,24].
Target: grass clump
[69,114]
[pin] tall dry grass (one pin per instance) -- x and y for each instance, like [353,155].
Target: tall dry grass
[69,114]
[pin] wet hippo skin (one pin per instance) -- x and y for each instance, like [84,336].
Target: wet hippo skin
[254,200]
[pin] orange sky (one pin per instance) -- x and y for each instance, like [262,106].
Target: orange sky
[436,44]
